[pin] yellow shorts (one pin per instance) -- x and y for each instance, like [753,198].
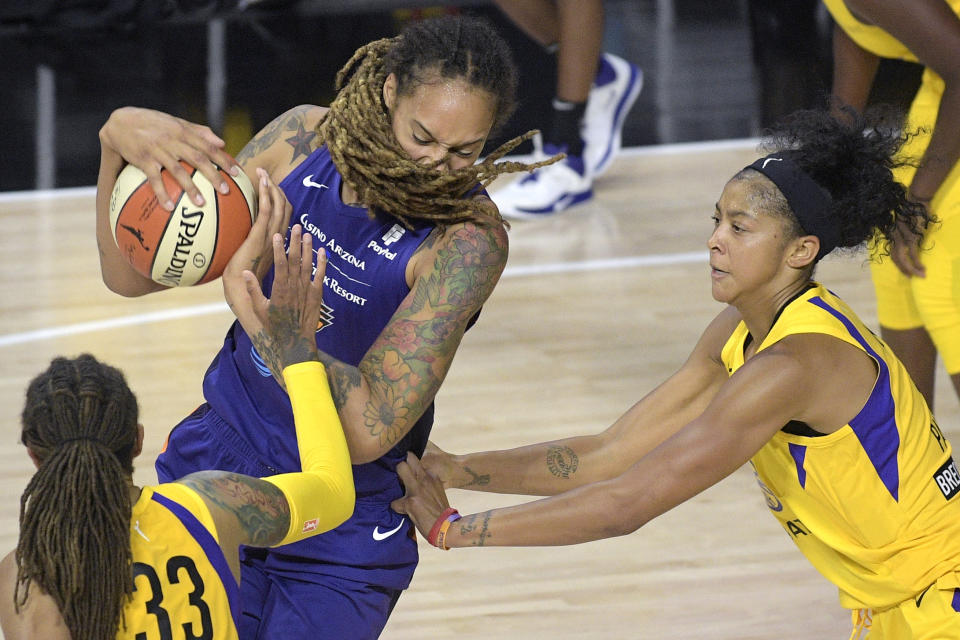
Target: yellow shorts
[933,614]
[932,302]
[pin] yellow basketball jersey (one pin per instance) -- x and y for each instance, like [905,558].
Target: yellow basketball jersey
[183,585]
[923,110]
[873,505]
[873,39]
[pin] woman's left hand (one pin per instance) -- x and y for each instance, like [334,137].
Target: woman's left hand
[424,500]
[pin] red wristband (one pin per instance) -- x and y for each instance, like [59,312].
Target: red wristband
[435,529]
[442,534]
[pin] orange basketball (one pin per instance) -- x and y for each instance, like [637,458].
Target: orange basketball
[189,245]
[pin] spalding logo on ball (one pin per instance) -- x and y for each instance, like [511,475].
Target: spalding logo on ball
[189,245]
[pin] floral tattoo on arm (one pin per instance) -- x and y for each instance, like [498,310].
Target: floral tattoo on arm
[405,366]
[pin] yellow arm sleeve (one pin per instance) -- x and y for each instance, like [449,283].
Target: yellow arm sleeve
[322,496]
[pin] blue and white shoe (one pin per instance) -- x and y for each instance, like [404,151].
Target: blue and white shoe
[614,91]
[547,190]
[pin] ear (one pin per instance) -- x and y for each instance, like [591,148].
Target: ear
[390,91]
[33,456]
[138,447]
[804,252]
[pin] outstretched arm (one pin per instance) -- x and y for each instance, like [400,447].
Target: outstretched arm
[548,468]
[774,387]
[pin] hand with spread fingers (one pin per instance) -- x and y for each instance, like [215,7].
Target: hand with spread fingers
[256,252]
[281,327]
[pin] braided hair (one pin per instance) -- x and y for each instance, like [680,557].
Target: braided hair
[80,422]
[358,130]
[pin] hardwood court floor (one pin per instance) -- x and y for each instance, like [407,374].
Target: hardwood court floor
[597,306]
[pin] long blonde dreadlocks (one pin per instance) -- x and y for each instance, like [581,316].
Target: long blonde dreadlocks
[359,134]
[80,422]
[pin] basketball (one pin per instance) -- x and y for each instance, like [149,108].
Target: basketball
[189,245]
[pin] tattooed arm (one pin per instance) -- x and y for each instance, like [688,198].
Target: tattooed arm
[398,377]
[284,143]
[782,383]
[453,274]
[286,508]
[548,468]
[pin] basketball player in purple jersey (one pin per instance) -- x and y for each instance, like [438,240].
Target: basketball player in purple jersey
[386,182]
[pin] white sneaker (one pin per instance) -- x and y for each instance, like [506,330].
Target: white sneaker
[614,91]
[547,190]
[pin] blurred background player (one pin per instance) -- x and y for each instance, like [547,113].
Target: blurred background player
[100,558]
[594,93]
[918,285]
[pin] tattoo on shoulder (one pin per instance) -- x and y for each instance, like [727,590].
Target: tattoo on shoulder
[290,127]
[562,461]
[260,508]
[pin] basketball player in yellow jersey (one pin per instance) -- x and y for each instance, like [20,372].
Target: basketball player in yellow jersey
[918,287]
[99,558]
[844,447]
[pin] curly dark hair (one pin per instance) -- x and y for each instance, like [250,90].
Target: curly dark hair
[80,422]
[852,157]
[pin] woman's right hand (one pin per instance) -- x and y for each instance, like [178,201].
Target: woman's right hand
[256,253]
[153,140]
[905,247]
[440,464]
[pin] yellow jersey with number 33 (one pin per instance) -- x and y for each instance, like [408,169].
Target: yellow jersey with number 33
[183,585]
[874,504]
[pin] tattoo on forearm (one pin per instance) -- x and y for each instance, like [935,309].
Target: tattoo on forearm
[260,508]
[562,461]
[284,344]
[343,379]
[476,478]
[408,362]
[479,523]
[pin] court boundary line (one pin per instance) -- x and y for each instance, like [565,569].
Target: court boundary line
[150,317]
[672,148]
[627,262]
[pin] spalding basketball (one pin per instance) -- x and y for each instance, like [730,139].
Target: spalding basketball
[189,245]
